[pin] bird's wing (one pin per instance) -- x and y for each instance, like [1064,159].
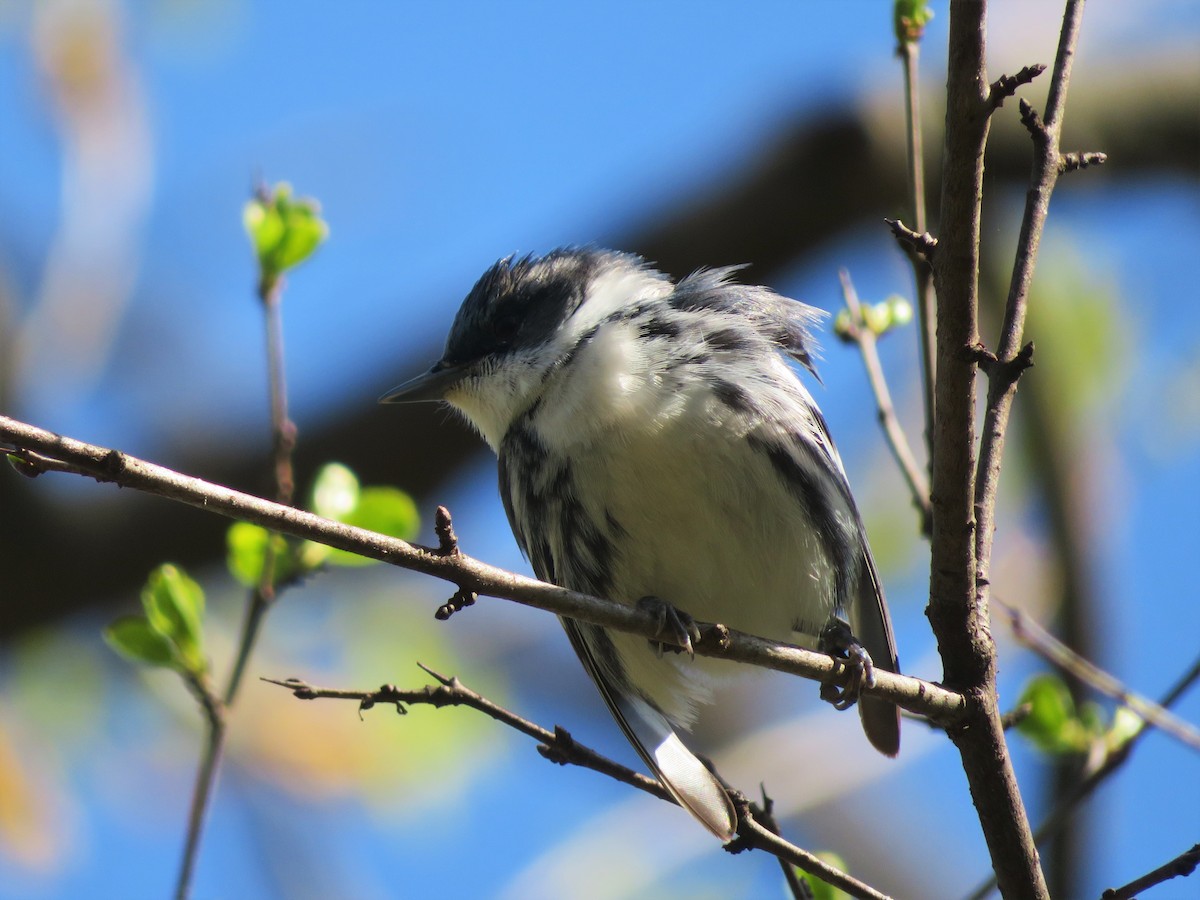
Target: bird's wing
[871,624]
[687,779]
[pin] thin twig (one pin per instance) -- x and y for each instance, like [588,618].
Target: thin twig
[920,242]
[206,776]
[865,338]
[559,747]
[467,573]
[1046,134]
[1180,867]
[909,50]
[1054,651]
[1006,85]
[959,622]
[753,835]
[264,594]
[799,888]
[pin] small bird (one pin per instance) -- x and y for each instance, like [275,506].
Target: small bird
[657,448]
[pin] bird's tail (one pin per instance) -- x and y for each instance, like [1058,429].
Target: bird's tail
[687,779]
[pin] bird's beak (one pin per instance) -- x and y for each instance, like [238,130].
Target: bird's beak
[432,385]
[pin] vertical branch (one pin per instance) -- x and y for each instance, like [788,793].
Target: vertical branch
[955,270]
[283,443]
[206,778]
[1009,362]
[283,429]
[909,50]
[299,232]
[858,331]
[958,620]
[1010,357]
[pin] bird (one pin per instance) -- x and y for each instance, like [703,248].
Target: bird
[657,446]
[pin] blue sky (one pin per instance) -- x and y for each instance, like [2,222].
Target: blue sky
[438,138]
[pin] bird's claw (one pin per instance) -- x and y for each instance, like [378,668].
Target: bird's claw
[839,642]
[677,631]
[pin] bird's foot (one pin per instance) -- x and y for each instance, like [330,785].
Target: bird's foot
[677,631]
[839,642]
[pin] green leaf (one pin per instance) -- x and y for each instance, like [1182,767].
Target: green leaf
[246,553]
[843,325]
[909,18]
[1126,725]
[1053,724]
[137,640]
[174,607]
[264,224]
[283,230]
[245,548]
[335,492]
[899,310]
[387,510]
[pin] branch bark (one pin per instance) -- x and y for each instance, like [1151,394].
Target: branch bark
[39,450]
[756,829]
[957,611]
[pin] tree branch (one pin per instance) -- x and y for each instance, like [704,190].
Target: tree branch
[40,449]
[1046,168]
[956,613]
[559,747]
[1116,758]
[1180,867]
[909,50]
[1054,651]
[864,337]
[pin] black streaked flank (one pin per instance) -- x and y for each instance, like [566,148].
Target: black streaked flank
[729,340]
[732,395]
[659,327]
[810,489]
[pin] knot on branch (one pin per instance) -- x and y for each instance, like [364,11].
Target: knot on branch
[1003,374]
[1006,85]
[387,693]
[443,527]
[562,750]
[300,688]
[1033,122]
[981,356]
[923,244]
[461,600]
[1069,162]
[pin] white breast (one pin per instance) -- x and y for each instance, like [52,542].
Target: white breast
[708,524]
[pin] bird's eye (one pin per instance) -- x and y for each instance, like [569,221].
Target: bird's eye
[505,327]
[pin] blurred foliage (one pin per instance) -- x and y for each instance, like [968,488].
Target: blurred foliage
[336,495]
[879,318]
[1057,727]
[170,633]
[283,230]
[909,18]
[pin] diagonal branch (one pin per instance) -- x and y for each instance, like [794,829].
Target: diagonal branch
[1180,867]
[1034,636]
[755,830]
[864,337]
[1046,168]
[1116,758]
[39,449]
